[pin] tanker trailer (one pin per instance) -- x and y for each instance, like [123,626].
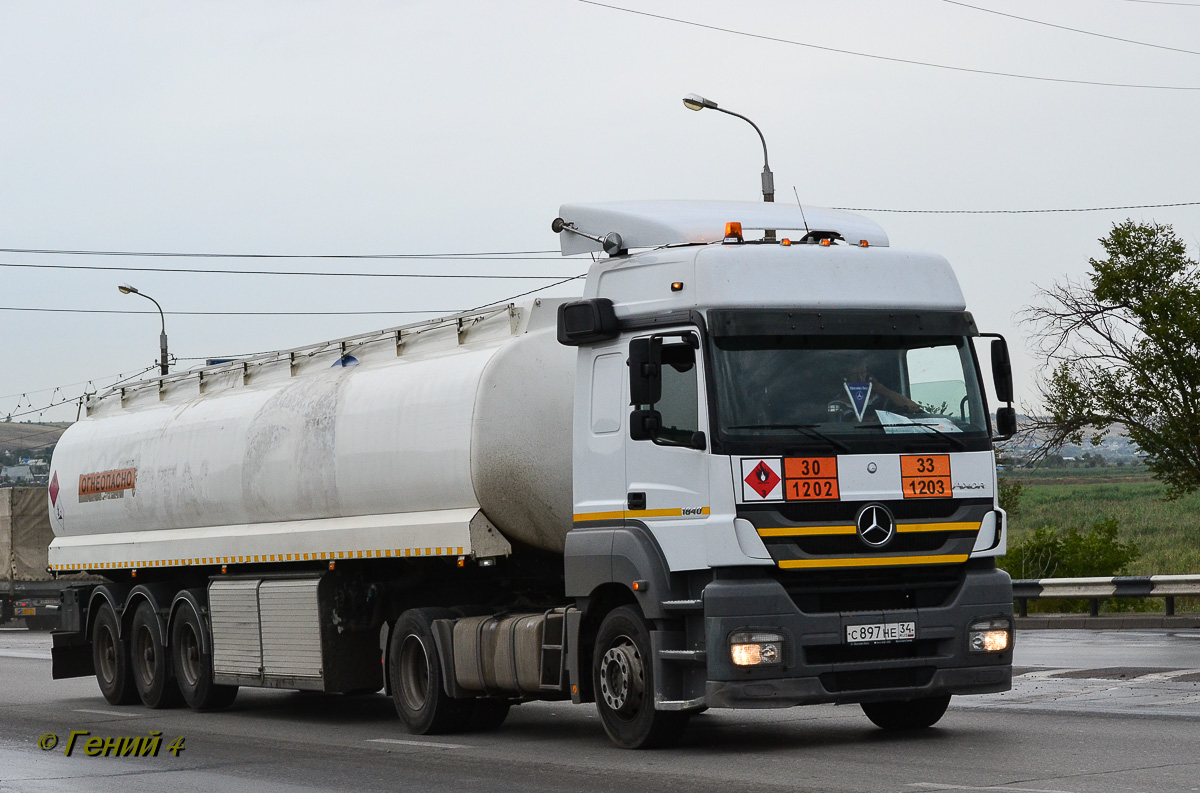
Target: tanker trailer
[737,473]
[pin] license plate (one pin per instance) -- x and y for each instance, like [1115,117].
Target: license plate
[25,612]
[881,632]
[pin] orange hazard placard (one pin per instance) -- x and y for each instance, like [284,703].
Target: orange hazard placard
[810,478]
[925,475]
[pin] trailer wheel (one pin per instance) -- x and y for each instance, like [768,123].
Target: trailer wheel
[415,672]
[914,714]
[150,662]
[193,667]
[110,657]
[623,677]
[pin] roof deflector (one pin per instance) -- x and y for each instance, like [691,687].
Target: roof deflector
[651,224]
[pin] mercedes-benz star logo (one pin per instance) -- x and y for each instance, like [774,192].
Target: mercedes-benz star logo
[875,525]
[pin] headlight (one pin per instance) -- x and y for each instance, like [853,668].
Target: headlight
[989,636]
[754,648]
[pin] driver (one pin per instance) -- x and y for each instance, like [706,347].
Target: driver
[861,387]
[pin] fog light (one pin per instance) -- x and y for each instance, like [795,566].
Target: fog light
[989,636]
[751,648]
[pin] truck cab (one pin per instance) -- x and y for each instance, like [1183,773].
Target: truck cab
[785,446]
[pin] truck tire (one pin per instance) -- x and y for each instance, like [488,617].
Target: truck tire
[623,677]
[415,671]
[110,657]
[193,667]
[150,662]
[914,714]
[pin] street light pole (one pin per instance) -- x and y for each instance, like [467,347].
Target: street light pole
[126,289]
[697,102]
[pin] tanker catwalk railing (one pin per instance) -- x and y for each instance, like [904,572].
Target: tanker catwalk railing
[346,345]
[1094,590]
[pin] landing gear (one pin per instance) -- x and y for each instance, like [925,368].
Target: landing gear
[622,672]
[149,661]
[416,676]
[110,657]
[915,714]
[193,666]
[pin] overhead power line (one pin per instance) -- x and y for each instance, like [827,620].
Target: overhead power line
[221,271]
[500,255]
[928,64]
[1013,211]
[1165,3]
[1070,29]
[46,309]
[217,313]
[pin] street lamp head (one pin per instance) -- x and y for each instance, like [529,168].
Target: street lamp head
[697,102]
[126,289]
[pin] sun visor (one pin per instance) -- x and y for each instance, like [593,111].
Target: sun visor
[651,224]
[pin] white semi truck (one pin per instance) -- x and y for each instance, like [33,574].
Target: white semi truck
[738,473]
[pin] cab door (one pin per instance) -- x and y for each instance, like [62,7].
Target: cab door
[667,467]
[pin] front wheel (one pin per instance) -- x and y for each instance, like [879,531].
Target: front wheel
[623,676]
[914,714]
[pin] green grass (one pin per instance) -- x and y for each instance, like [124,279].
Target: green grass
[1166,532]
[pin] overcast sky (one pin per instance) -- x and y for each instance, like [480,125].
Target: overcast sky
[436,127]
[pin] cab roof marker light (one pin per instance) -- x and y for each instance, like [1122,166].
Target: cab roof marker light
[826,242]
[785,241]
[864,244]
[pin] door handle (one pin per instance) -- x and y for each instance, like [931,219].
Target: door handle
[635,501]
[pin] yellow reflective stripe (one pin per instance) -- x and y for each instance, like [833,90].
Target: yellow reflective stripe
[914,527]
[634,513]
[806,531]
[279,557]
[872,561]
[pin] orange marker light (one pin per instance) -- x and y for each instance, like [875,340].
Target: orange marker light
[733,231]
[330,564]
[785,241]
[636,586]
[677,286]
[826,242]
[864,244]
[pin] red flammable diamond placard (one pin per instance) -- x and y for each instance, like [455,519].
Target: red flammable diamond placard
[54,489]
[762,479]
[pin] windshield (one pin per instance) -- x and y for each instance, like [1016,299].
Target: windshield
[841,390]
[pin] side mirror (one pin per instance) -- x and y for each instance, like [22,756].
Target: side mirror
[1006,423]
[1002,371]
[645,371]
[644,424]
[586,321]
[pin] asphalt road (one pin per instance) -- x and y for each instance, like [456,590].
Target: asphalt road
[1116,711]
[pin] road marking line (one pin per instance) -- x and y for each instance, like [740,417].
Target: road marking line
[940,786]
[109,712]
[429,744]
[1049,672]
[25,654]
[1169,675]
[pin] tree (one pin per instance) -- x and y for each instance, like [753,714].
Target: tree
[1123,347]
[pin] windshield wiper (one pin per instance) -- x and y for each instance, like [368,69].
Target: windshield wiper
[805,428]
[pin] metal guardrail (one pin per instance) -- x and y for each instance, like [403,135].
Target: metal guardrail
[1168,587]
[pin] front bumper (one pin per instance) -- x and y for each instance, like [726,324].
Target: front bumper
[819,666]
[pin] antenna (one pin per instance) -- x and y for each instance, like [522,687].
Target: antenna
[806,231]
